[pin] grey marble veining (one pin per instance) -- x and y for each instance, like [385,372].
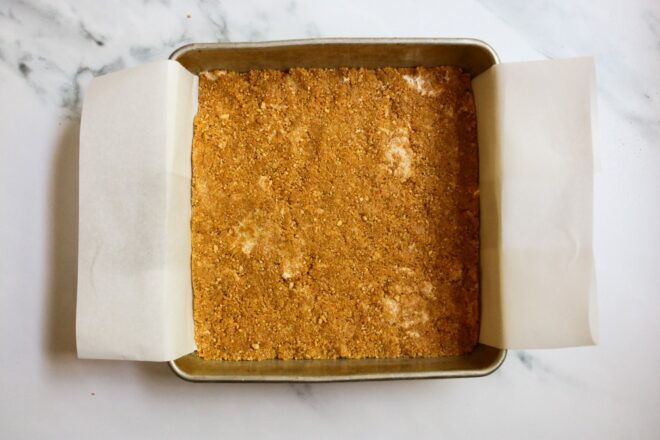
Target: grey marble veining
[62,46]
[626,82]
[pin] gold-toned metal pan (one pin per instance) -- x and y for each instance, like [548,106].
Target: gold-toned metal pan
[474,57]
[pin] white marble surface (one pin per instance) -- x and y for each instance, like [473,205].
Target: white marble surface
[50,50]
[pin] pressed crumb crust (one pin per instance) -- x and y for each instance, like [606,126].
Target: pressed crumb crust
[335,214]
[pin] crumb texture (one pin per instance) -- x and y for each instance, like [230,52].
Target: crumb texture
[335,214]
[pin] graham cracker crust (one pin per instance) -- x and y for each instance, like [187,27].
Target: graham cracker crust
[335,214]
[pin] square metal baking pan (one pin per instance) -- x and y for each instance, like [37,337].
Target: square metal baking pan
[474,57]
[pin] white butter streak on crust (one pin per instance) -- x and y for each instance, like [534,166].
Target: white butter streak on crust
[405,307]
[264,182]
[251,232]
[419,83]
[399,154]
[391,306]
[213,75]
[291,267]
[247,234]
